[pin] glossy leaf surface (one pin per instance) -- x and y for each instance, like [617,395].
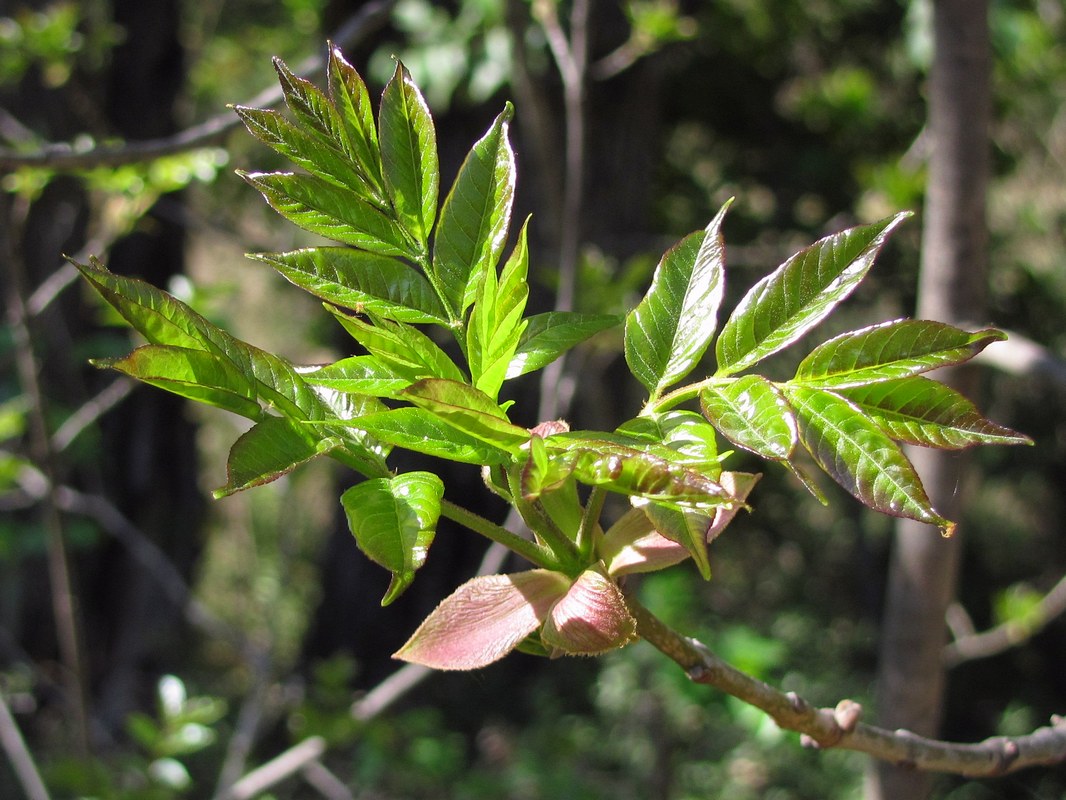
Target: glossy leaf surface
[424,432]
[890,350]
[362,281]
[798,295]
[268,450]
[469,410]
[924,412]
[859,456]
[330,211]
[364,375]
[547,336]
[402,348]
[408,143]
[475,216]
[669,331]
[394,521]
[752,413]
[352,100]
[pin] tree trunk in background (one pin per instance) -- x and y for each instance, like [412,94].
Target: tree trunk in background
[924,567]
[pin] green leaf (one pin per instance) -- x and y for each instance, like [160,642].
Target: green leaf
[889,351]
[468,410]
[669,331]
[330,211]
[308,151]
[475,216]
[405,350]
[752,413]
[194,374]
[921,411]
[270,449]
[496,323]
[365,375]
[364,282]
[424,432]
[858,455]
[686,527]
[352,101]
[313,109]
[634,467]
[799,294]
[409,156]
[394,521]
[685,432]
[547,336]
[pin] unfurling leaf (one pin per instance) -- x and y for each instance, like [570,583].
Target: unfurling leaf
[668,332]
[858,455]
[394,521]
[590,619]
[798,295]
[484,620]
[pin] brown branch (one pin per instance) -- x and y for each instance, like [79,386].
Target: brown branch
[840,727]
[63,157]
[971,646]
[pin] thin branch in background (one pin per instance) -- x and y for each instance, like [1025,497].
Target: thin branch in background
[841,727]
[276,770]
[1020,355]
[90,411]
[19,755]
[64,157]
[64,604]
[325,782]
[971,646]
[247,726]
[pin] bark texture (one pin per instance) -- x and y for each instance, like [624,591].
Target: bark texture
[924,568]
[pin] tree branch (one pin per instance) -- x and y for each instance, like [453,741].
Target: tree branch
[840,727]
[63,157]
[19,755]
[971,646]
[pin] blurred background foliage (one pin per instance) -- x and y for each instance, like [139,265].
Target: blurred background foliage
[810,112]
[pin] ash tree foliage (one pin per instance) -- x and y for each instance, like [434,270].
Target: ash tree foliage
[405,261]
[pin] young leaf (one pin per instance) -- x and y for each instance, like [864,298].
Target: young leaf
[405,350]
[364,282]
[687,528]
[890,350]
[409,156]
[330,211]
[195,374]
[547,336]
[313,109]
[669,331]
[304,149]
[484,620]
[394,521]
[924,412]
[424,432]
[268,450]
[496,323]
[469,410]
[590,619]
[683,431]
[859,456]
[799,294]
[752,413]
[365,375]
[352,101]
[475,216]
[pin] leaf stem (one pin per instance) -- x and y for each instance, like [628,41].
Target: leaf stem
[585,539]
[531,551]
[545,528]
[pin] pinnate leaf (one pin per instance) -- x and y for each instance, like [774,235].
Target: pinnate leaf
[362,281]
[467,409]
[425,432]
[547,336]
[330,211]
[409,162]
[352,101]
[921,411]
[799,294]
[858,455]
[669,331]
[394,521]
[891,350]
[475,217]
[364,375]
[752,413]
[484,620]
